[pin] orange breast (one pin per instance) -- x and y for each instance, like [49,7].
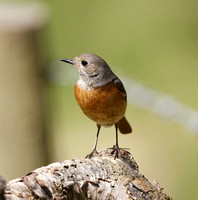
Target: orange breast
[105,105]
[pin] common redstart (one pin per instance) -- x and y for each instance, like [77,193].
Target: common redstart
[101,95]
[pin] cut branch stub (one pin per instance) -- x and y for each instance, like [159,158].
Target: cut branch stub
[101,177]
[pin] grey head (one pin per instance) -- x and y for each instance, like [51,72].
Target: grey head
[93,70]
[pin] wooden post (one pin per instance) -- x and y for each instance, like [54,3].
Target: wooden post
[101,177]
[22,145]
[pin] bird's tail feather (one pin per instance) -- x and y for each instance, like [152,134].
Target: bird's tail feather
[124,126]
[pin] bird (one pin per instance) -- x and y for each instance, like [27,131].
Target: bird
[101,96]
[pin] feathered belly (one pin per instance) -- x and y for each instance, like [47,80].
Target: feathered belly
[105,105]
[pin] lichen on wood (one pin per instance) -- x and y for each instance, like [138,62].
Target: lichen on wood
[101,177]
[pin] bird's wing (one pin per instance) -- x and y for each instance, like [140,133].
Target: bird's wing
[117,82]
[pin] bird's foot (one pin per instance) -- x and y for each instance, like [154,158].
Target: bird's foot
[117,151]
[91,154]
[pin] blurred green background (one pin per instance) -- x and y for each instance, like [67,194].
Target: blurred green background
[153,42]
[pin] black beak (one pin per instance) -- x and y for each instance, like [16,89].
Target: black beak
[70,61]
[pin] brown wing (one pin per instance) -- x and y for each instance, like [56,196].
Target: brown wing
[118,83]
[123,124]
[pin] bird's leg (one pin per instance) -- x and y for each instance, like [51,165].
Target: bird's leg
[94,149]
[96,142]
[116,147]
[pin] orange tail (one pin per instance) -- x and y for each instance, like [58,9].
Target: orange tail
[124,126]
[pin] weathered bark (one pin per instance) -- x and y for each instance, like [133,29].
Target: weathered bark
[101,177]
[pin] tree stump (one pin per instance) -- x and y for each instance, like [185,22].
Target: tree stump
[101,177]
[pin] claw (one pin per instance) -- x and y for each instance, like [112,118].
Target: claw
[116,150]
[91,154]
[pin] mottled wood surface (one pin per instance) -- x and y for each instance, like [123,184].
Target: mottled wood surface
[101,177]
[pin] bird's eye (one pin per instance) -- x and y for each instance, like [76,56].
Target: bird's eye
[84,62]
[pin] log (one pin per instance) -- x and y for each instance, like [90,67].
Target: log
[101,177]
